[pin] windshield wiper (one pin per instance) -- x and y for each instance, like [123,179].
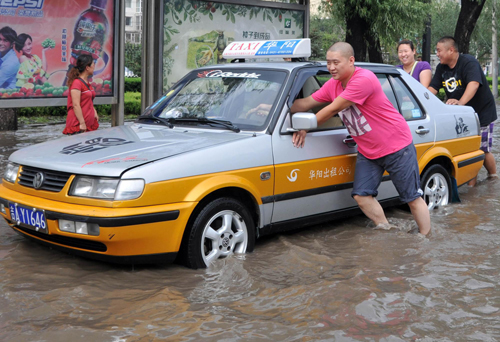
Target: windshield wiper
[149,118]
[226,124]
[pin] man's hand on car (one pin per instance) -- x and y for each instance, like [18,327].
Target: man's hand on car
[299,138]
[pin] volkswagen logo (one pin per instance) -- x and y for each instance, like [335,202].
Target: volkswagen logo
[38,180]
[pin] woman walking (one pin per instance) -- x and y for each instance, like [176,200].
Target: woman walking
[82,116]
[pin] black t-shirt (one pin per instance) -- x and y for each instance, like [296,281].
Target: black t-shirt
[454,81]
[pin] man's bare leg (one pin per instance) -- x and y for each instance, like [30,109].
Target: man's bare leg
[371,208]
[490,166]
[421,215]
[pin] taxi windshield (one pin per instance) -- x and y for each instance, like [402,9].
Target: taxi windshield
[246,98]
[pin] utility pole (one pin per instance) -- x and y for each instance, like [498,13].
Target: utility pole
[426,39]
[426,43]
[118,109]
[494,51]
[152,35]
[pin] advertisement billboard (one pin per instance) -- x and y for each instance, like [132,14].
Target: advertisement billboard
[195,33]
[40,41]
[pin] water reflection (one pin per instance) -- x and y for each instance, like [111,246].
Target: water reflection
[337,282]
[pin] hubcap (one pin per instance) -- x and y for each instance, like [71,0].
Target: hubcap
[224,234]
[436,191]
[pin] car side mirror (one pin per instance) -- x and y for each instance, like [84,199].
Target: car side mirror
[305,121]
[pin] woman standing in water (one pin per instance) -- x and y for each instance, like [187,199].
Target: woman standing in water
[420,70]
[82,115]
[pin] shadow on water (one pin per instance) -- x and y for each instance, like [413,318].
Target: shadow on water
[341,281]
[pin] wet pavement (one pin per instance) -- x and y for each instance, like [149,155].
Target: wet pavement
[341,281]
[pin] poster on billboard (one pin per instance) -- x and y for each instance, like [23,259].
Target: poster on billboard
[195,33]
[40,41]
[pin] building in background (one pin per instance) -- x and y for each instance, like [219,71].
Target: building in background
[133,21]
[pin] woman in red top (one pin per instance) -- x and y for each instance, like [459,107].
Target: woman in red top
[82,116]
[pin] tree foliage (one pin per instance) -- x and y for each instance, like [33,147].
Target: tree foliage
[133,58]
[443,21]
[323,33]
[445,18]
[480,43]
[372,24]
[467,18]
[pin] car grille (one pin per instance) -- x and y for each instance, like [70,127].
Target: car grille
[54,181]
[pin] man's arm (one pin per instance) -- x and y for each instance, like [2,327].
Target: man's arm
[302,105]
[436,81]
[469,93]
[338,105]
[432,90]
[324,114]
[305,104]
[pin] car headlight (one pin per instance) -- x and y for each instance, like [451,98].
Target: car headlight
[107,188]
[10,173]
[129,189]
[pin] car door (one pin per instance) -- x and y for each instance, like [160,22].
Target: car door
[421,123]
[317,178]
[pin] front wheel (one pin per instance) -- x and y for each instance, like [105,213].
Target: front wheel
[436,185]
[223,227]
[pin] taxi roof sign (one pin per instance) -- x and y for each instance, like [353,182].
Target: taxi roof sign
[289,48]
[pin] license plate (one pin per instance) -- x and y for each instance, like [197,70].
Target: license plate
[32,218]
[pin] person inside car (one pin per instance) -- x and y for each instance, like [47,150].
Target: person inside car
[355,94]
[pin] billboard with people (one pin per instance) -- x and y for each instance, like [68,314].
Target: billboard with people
[195,33]
[40,41]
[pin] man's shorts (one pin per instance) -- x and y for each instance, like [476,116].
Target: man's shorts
[402,166]
[487,138]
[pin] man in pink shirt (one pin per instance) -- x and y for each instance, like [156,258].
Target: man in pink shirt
[356,95]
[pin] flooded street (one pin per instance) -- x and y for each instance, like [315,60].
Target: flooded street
[341,281]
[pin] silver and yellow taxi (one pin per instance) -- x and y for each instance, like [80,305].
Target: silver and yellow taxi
[210,166]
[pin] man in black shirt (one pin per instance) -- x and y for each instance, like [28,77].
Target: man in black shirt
[465,84]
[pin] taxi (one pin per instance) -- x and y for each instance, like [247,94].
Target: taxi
[210,166]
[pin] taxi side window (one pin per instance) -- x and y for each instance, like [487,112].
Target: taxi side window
[311,85]
[408,105]
[386,86]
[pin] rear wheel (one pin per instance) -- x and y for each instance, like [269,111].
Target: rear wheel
[223,227]
[436,184]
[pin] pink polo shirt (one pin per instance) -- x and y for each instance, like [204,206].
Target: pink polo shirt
[373,122]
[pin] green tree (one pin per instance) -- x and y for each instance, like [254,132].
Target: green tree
[444,20]
[323,33]
[133,58]
[372,24]
[467,18]
[480,43]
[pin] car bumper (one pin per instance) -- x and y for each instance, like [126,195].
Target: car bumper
[468,166]
[126,235]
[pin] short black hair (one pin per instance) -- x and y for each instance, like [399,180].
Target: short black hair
[449,40]
[406,42]
[9,34]
[21,40]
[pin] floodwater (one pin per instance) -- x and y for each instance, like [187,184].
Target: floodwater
[336,282]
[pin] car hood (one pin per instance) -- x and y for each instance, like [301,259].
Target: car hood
[109,152]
